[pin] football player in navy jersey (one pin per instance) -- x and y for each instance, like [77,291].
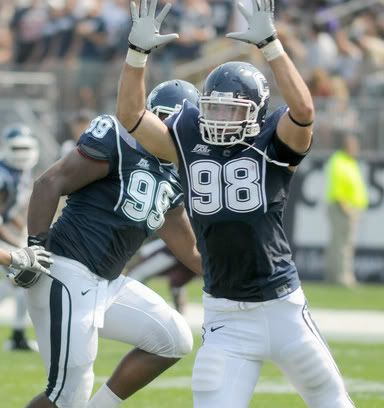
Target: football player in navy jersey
[118,195]
[20,153]
[236,164]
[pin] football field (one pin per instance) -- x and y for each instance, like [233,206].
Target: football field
[360,360]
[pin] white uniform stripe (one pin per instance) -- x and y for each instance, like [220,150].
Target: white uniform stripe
[120,163]
[184,162]
[263,177]
[312,326]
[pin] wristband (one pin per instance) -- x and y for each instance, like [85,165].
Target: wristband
[273,50]
[266,41]
[136,58]
[40,239]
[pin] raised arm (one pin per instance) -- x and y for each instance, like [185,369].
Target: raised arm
[146,127]
[295,126]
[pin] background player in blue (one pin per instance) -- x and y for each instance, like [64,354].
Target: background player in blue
[155,258]
[20,152]
[236,165]
[118,195]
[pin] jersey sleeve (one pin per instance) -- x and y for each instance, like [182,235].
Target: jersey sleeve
[277,149]
[183,127]
[178,199]
[98,142]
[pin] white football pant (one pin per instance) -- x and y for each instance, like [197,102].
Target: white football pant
[239,336]
[70,311]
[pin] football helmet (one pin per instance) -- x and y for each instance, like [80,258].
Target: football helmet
[20,148]
[167,97]
[234,104]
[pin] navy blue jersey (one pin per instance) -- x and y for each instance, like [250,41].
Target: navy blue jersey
[15,189]
[235,198]
[105,222]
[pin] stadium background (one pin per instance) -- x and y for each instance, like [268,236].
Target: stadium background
[58,56]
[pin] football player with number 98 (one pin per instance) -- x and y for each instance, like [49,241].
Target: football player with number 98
[118,194]
[236,164]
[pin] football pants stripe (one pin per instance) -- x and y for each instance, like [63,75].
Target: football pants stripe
[60,316]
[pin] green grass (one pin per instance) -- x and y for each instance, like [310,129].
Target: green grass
[319,295]
[22,374]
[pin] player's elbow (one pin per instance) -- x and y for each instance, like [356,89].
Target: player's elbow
[304,112]
[128,118]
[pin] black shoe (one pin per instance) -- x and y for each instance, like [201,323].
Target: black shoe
[23,345]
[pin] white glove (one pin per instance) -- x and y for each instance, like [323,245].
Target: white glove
[144,35]
[261,29]
[32,258]
[28,264]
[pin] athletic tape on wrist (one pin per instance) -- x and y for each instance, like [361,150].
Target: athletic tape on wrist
[273,50]
[135,58]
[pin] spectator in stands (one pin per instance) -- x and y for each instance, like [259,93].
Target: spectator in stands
[117,22]
[222,15]
[165,59]
[27,26]
[321,49]
[91,35]
[347,197]
[365,30]
[58,33]
[195,28]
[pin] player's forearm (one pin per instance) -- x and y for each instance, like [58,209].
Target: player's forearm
[191,258]
[8,237]
[293,89]
[193,262]
[42,206]
[5,258]
[130,103]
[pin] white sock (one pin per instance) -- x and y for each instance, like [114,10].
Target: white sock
[104,398]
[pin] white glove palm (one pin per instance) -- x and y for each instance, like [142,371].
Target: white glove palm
[144,35]
[32,258]
[261,29]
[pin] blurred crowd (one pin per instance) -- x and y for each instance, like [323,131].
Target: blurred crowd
[338,44]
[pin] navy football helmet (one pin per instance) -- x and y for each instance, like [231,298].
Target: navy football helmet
[234,104]
[20,148]
[167,97]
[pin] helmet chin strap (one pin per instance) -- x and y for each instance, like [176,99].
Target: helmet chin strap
[266,157]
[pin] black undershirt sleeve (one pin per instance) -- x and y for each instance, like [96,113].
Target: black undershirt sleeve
[282,152]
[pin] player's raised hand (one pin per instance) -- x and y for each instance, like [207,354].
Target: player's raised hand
[261,28]
[145,33]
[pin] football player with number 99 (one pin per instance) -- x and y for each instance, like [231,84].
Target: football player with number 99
[236,164]
[118,195]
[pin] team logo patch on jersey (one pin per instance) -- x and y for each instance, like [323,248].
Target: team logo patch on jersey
[143,163]
[201,149]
